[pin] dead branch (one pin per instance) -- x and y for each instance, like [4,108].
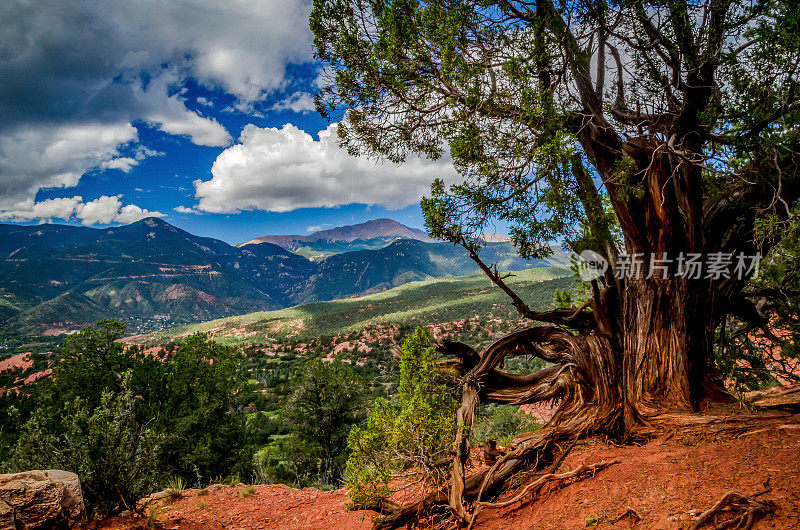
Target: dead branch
[747,510]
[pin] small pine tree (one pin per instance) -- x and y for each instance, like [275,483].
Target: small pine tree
[328,398]
[406,435]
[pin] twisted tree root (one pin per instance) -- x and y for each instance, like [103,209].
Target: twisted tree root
[748,509]
[535,487]
[553,468]
[538,484]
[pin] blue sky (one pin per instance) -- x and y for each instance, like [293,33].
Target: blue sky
[197,111]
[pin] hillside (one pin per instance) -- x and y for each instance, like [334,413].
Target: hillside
[426,302]
[407,260]
[151,274]
[145,274]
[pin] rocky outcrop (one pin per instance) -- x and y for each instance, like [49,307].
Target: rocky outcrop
[40,499]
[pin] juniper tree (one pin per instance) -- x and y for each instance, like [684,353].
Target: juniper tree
[656,129]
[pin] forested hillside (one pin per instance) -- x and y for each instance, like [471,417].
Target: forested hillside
[150,274]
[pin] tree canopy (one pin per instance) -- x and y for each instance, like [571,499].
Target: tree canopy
[523,95]
[328,398]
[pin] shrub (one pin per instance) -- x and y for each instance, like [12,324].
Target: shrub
[279,462]
[327,400]
[186,418]
[417,429]
[246,492]
[199,401]
[113,453]
[175,487]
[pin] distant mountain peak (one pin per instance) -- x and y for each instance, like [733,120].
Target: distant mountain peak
[149,224]
[154,221]
[373,229]
[369,230]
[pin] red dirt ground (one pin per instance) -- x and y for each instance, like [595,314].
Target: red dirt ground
[666,481]
[270,506]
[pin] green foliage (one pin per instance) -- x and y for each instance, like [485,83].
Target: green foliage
[595,520]
[418,428]
[92,361]
[327,400]
[745,354]
[279,463]
[175,486]
[593,234]
[124,420]
[501,423]
[563,299]
[14,412]
[199,399]
[112,451]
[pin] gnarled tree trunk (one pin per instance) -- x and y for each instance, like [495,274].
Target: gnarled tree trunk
[665,335]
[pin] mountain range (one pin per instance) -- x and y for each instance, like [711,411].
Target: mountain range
[377,228]
[150,274]
[370,235]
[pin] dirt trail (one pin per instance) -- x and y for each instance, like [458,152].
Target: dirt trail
[666,481]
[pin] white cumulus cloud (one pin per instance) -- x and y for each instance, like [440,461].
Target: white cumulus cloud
[76,75]
[50,157]
[124,164]
[130,213]
[61,208]
[300,102]
[184,209]
[103,210]
[284,169]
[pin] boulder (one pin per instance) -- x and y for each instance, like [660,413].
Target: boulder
[160,498]
[6,516]
[40,499]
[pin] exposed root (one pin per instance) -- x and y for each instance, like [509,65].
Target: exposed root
[746,511]
[553,468]
[786,399]
[714,425]
[534,487]
[628,511]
